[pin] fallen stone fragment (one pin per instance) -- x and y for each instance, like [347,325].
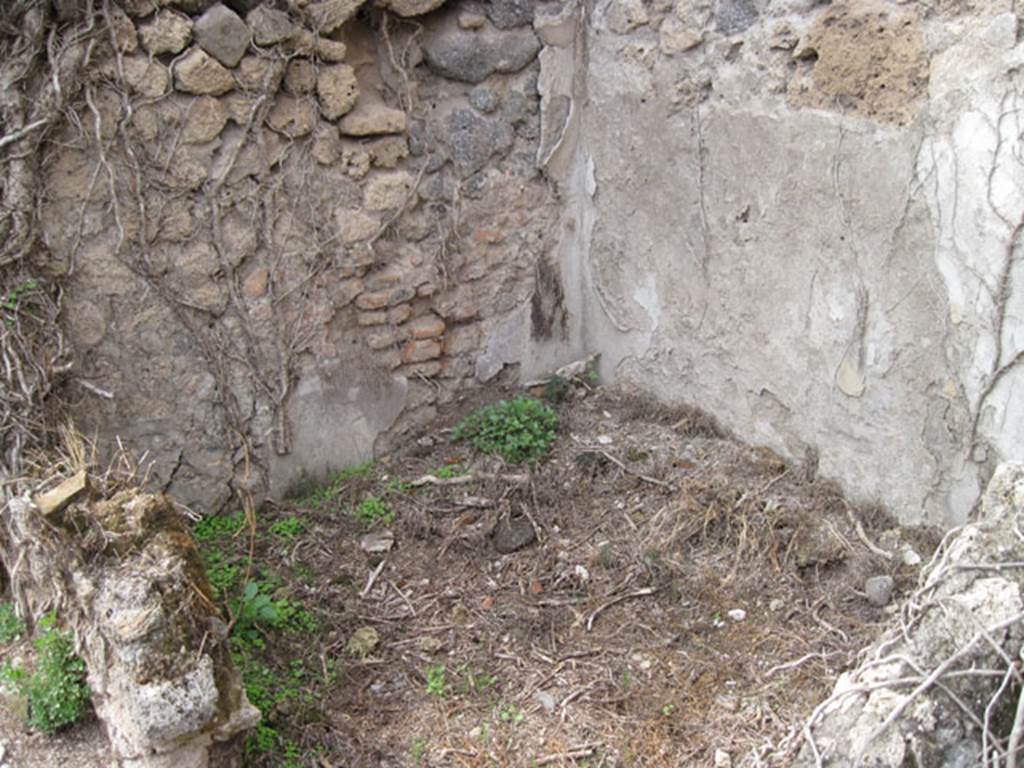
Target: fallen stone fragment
[377,542]
[879,590]
[363,642]
[511,535]
[222,34]
[56,499]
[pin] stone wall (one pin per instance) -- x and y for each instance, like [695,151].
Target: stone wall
[288,229]
[804,219]
[292,229]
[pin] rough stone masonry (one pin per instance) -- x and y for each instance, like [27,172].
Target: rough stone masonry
[293,229]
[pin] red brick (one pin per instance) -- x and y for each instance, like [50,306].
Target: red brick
[421,351]
[370,301]
[428,327]
[398,315]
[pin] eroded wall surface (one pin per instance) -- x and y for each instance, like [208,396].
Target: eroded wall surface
[804,219]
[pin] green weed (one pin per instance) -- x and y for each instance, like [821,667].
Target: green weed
[56,692]
[317,496]
[373,509]
[288,529]
[217,527]
[11,626]
[521,431]
[436,684]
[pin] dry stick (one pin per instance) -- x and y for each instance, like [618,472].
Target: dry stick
[627,470]
[373,578]
[573,754]
[855,522]
[638,593]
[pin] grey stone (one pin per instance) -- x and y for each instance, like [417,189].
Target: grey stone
[513,534]
[474,55]
[222,34]
[506,14]
[483,99]
[269,25]
[734,16]
[411,7]
[879,590]
[473,140]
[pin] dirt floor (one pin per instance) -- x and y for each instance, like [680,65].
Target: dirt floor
[685,600]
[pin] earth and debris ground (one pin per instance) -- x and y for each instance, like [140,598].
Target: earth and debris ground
[652,594]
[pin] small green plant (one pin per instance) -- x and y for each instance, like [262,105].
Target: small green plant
[436,685]
[374,508]
[217,527]
[512,715]
[449,471]
[10,302]
[398,485]
[557,389]
[56,692]
[11,626]
[419,746]
[475,682]
[668,709]
[521,431]
[308,494]
[288,529]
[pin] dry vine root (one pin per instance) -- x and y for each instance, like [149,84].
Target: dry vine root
[43,49]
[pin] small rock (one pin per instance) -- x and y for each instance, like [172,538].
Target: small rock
[377,542]
[328,15]
[545,699]
[370,118]
[222,34]
[430,644]
[581,573]
[737,614]
[201,74]
[879,590]
[337,88]
[472,56]
[483,99]
[678,36]
[292,117]
[206,119]
[473,140]
[411,7]
[910,557]
[506,14]
[269,26]
[300,77]
[626,15]
[722,759]
[512,535]
[363,642]
[330,50]
[776,605]
[168,32]
[56,499]
[471,20]
[388,191]
[604,440]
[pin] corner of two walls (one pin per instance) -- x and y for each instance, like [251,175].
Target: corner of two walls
[801,218]
[805,219]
